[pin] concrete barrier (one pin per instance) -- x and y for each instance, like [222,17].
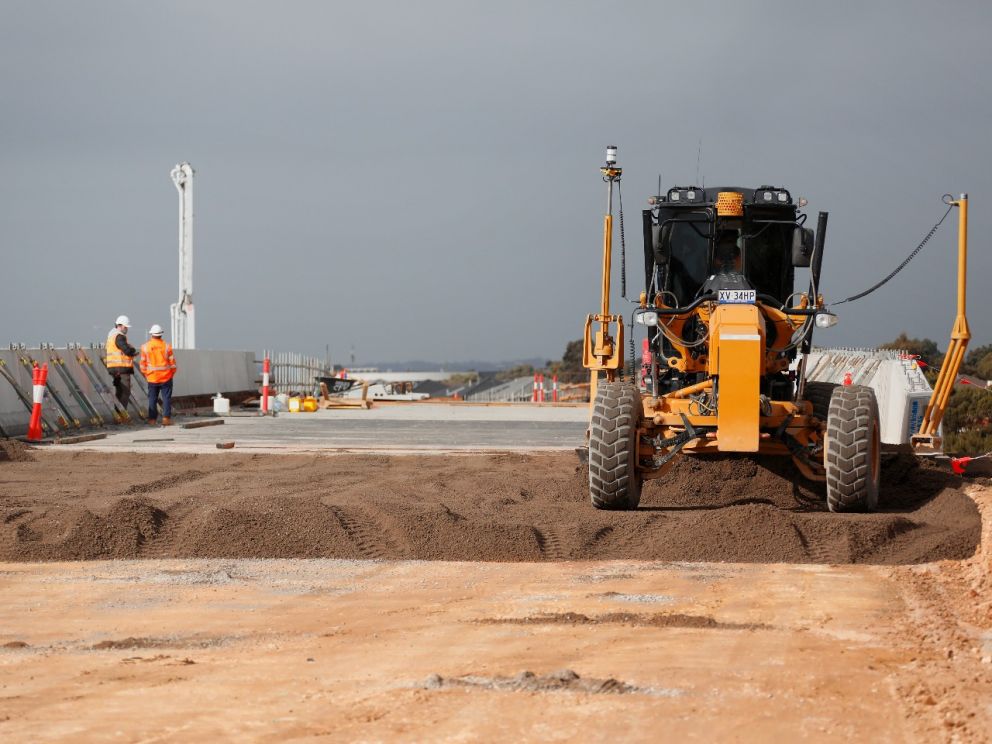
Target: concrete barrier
[86,395]
[899,384]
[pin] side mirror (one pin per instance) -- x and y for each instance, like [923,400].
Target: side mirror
[802,246]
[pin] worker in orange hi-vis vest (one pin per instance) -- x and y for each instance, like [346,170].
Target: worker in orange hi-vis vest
[119,356]
[158,365]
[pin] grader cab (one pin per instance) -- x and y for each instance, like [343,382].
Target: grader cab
[727,341]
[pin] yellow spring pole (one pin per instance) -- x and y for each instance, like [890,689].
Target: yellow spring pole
[960,334]
[607,264]
[604,308]
[611,173]
[601,351]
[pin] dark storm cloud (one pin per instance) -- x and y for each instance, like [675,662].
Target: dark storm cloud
[421,179]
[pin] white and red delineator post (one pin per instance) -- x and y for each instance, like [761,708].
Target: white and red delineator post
[266,368]
[533,397]
[39,378]
[554,388]
[540,388]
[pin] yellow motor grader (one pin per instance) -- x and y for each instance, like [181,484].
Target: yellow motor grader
[727,341]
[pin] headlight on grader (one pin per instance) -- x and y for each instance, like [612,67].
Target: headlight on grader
[646,317]
[825,319]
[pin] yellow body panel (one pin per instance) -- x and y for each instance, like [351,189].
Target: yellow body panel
[737,359]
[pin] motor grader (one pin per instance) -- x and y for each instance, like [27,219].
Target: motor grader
[727,340]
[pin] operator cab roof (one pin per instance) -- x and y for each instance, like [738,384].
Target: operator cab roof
[693,196]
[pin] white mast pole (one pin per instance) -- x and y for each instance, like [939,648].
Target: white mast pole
[183,326]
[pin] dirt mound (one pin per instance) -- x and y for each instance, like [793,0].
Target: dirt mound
[654,620]
[12,450]
[71,506]
[133,643]
[564,680]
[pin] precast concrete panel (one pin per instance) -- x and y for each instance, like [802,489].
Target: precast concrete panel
[200,372]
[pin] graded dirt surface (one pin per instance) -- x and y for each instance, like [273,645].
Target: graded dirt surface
[63,505]
[728,608]
[215,650]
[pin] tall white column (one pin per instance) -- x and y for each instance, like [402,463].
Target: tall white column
[181,312]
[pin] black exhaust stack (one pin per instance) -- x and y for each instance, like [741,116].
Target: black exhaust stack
[815,265]
[817,262]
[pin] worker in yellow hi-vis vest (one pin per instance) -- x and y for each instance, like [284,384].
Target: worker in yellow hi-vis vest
[158,365]
[120,359]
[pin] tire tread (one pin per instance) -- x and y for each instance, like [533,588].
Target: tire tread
[852,420]
[613,480]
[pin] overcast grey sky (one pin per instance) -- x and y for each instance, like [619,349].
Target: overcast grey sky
[421,179]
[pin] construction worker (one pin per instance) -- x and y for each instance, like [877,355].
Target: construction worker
[727,254]
[158,365]
[726,266]
[120,359]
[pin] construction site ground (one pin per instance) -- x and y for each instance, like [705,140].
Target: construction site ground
[444,585]
[387,427]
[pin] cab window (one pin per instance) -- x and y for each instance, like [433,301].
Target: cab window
[688,260]
[767,260]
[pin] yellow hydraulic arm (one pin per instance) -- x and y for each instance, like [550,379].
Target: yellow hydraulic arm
[928,437]
[604,352]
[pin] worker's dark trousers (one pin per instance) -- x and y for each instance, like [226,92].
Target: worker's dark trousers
[122,388]
[154,388]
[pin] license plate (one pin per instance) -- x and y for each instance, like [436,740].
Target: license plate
[737,296]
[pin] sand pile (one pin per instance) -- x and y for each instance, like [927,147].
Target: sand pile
[71,506]
[12,450]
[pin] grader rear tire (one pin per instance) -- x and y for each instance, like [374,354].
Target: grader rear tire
[614,482]
[853,450]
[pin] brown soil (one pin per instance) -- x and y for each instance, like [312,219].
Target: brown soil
[12,450]
[82,506]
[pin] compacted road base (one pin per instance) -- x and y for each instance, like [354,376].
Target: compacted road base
[438,651]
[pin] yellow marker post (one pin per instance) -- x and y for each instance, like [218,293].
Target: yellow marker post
[603,352]
[928,437]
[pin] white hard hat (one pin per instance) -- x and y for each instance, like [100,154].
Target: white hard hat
[123,320]
[156,330]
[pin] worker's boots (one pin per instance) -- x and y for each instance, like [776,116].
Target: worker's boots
[166,421]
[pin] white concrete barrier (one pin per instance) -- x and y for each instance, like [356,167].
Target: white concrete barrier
[899,384]
[88,394]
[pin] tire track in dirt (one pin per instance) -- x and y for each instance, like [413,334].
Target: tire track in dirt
[821,551]
[631,538]
[549,543]
[366,533]
[164,542]
[603,533]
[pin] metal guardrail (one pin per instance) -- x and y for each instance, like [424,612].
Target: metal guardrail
[292,372]
[518,390]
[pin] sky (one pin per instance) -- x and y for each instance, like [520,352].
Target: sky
[421,180]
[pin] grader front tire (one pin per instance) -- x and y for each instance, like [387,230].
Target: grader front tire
[819,394]
[614,482]
[853,450]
